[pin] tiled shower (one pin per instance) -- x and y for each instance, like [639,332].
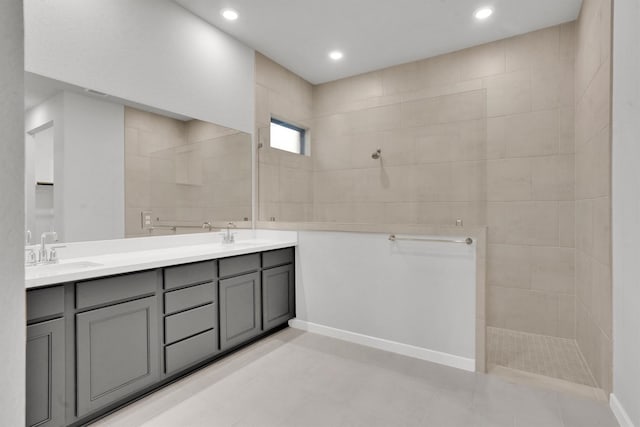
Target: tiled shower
[513,135]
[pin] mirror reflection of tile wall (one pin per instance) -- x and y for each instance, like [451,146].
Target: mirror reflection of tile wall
[185,172]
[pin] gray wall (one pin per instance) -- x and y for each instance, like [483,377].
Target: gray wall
[626,207]
[12,317]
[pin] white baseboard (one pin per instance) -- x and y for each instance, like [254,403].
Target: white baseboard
[383,344]
[619,412]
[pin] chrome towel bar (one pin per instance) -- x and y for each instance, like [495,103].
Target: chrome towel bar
[467,241]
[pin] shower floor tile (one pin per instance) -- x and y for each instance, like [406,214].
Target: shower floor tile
[539,354]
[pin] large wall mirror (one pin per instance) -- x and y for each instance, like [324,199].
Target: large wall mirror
[99,167]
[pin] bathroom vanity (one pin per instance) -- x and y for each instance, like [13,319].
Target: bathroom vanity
[100,341]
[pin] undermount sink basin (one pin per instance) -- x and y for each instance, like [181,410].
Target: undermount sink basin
[62,267]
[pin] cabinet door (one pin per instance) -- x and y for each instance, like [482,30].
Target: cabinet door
[239,309]
[45,374]
[117,352]
[277,296]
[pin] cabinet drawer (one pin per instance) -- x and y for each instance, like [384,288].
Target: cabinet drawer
[239,264]
[183,299]
[191,322]
[117,288]
[184,353]
[189,274]
[277,257]
[42,303]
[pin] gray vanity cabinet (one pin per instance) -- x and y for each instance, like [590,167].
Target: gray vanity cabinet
[117,352]
[95,344]
[45,359]
[45,374]
[278,300]
[240,309]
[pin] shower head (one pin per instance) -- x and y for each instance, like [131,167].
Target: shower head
[377,154]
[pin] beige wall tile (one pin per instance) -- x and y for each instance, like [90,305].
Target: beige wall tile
[131,144]
[471,213]
[369,212]
[566,130]
[602,230]
[568,40]
[269,183]
[333,212]
[296,212]
[435,213]
[267,210]
[509,266]
[593,110]
[439,71]
[468,181]
[566,316]
[384,184]
[523,310]
[552,269]
[584,279]
[508,93]
[523,135]
[400,213]
[528,223]
[591,35]
[601,297]
[329,96]
[296,186]
[420,113]
[566,224]
[605,30]
[334,186]
[531,49]
[433,144]
[400,79]
[398,148]
[552,85]
[332,153]
[584,226]
[509,179]
[553,177]
[470,143]
[435,182]
[481,61]
[138,192]
[593,167]
[462,107]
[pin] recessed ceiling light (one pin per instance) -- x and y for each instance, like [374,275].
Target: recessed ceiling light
[483,13]
[229,14]
[336,55]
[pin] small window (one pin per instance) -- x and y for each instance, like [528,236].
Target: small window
[288,137]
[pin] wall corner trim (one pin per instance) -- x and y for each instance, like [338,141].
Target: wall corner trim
[445,359]
[618,410]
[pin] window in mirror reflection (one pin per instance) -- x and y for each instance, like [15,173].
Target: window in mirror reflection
[288,137]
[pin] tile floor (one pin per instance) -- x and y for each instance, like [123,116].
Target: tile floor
[540,354]
[301,379]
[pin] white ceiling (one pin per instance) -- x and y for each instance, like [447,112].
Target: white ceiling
[373,34]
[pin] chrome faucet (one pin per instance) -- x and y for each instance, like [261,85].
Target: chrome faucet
[228,236]
[45,256]
[207,224]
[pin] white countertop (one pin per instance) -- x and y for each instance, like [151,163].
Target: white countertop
[126,261]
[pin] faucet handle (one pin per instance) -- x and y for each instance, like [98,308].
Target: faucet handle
[27,237]
[30,257]
[53,254]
